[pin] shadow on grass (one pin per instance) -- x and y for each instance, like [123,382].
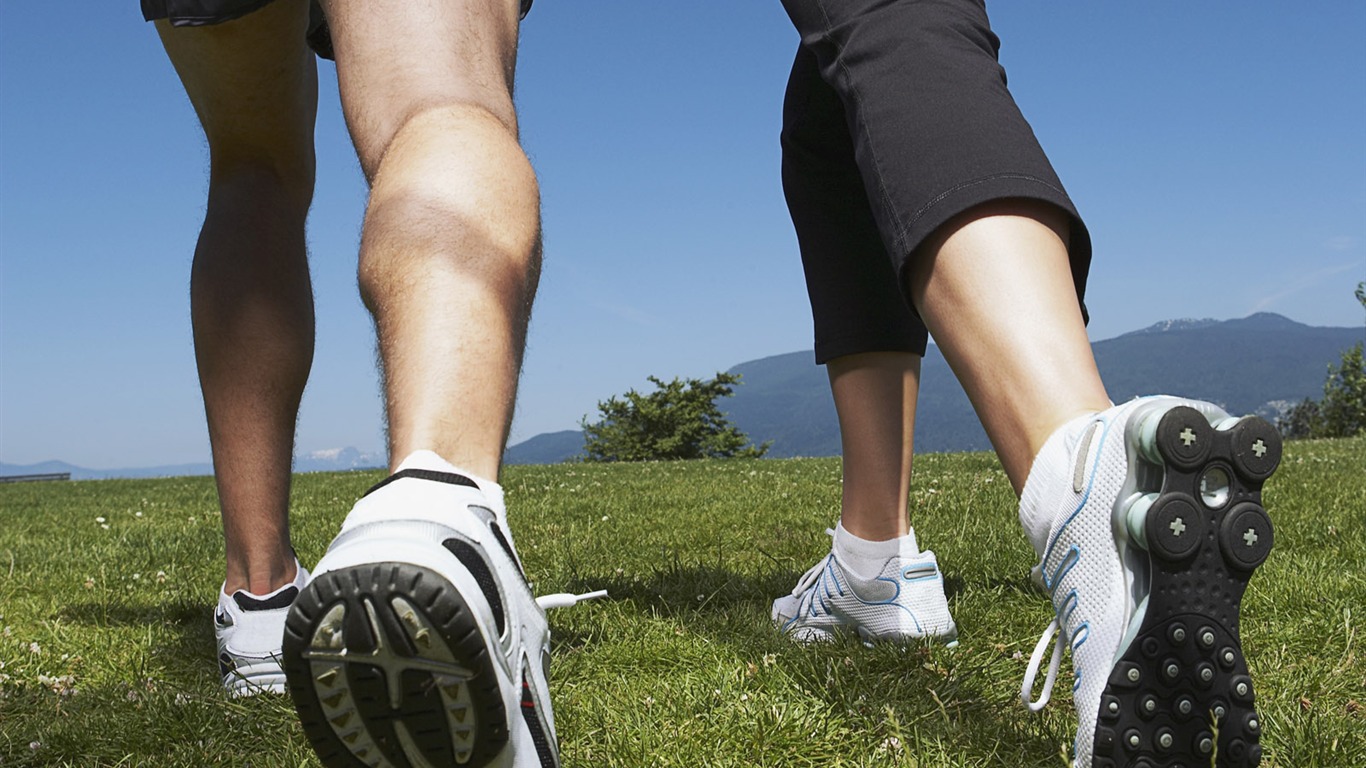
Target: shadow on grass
[932,700]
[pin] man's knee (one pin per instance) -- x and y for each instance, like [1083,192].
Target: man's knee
[281,181]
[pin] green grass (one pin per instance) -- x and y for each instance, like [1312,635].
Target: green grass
[107,646]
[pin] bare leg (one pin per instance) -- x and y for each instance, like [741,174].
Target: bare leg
[253,84]
[995,289]
[875,397]
[450,252]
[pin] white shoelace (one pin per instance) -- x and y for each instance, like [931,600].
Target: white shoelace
[566,599]
[1035,659]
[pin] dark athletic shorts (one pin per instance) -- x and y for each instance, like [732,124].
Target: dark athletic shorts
[896,119]
[198,13]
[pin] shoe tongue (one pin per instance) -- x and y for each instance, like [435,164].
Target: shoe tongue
[280,598]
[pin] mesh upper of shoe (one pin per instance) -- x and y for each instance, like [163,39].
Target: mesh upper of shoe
[905,600]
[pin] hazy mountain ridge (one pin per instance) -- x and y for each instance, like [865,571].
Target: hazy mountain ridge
[329,460]
[1261,364]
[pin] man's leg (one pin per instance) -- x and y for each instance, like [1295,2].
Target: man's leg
[418,640]
[253,84]
[450,251]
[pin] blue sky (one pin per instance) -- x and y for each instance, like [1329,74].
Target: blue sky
[1216,149]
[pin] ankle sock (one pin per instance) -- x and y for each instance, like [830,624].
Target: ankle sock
[431,461]
[867,558]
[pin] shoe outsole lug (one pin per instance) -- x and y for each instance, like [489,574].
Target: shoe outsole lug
[387,666]
[1184,678]
[1183,437]
[1174,527]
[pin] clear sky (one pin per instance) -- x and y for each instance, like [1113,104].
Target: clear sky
[1217,150]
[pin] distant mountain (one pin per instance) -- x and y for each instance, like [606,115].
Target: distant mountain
[546,448]
[334,460]
[1259,364]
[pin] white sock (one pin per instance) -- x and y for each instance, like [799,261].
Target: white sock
[429,460]
[867,558]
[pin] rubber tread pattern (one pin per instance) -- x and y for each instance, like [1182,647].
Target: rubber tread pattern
[421,717]
[1188,651]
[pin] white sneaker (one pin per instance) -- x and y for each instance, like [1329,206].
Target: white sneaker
[900,599]
[418,642]
[1148,522]
[248,629]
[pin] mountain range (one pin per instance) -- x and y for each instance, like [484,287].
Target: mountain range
[333,460]
[1259,364]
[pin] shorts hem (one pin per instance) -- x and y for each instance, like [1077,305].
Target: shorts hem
[844,346]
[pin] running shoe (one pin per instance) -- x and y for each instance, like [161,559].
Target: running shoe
[418,642]
[902,601]
[248,629]
[1148,522]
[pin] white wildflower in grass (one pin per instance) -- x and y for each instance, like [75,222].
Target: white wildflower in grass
[891,744]
[604,518]
[137,513]
[161,577]
[100,520]
[35,648]
[64,685]
[105,526]
[89,582]
[35,745]
[137,577]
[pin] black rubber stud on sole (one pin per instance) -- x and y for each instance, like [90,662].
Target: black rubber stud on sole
[1174,527]
[1246,536]
[1184,437]
[1256,448]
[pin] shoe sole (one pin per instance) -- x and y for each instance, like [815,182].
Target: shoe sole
[1180,695]
[388,666]
[252,679]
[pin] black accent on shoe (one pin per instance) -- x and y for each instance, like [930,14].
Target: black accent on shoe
[1185,667]
[450,478]
[507,547]
[483,576]
[540,736]
[351,629]
[282,599]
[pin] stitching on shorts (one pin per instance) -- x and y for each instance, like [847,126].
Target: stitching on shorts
[960,187]
[884,198]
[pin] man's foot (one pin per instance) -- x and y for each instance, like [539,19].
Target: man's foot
[1148,521]
[248,629]
[899,597]
[418,643]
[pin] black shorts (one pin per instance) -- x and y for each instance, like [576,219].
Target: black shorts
[197,13]
[896,119]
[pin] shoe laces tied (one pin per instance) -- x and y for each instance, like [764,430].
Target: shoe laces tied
[1035,660]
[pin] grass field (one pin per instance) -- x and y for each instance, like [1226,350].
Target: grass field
[106,590]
